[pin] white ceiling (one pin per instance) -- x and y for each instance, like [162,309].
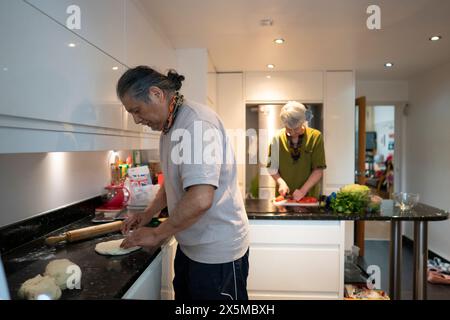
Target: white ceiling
[320,34]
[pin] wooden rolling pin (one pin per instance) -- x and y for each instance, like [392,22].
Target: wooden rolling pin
[85,233]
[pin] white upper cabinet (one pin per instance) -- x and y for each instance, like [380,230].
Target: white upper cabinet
[339,129]
[102,22]
[305,86]
[59,85]
[231,109]
[144,44]
[44,77]
[211,91]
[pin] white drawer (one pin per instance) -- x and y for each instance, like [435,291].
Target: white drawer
[296,232]
[294,271]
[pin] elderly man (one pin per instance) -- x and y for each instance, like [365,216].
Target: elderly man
[206,210]
[298,166]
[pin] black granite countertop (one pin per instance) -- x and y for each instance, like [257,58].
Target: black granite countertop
[266,210]
[103,277]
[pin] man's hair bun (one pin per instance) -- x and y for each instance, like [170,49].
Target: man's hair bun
[175,79]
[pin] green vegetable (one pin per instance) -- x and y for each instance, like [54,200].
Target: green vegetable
[352,198]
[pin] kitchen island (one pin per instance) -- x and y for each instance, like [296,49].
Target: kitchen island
[312,240]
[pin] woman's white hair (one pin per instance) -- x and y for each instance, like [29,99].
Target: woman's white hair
[293,115]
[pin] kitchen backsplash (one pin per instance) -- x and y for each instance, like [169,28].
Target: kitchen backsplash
[22,232]
[34,183]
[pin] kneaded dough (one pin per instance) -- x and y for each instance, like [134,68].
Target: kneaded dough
[40,288]
[57,269]
[112,248]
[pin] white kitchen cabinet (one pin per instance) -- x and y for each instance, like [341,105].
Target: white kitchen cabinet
[148,285]
[168,250]
[102,22]
[43,78]
[193,65]
[339,135]
[231,109]
[211,92]
[26,140]
[291,259]
[339,129]
[56,97]
[145,44]
[305,86]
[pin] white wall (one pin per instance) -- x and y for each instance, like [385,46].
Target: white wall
[382,91]
[428,149]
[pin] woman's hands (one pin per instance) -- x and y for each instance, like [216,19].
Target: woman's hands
[283,188]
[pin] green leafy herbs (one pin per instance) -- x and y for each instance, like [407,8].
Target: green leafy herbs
[351,199]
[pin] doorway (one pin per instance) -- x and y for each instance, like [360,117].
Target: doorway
[380,142]
[374,160]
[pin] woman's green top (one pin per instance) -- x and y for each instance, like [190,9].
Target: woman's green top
[296,167]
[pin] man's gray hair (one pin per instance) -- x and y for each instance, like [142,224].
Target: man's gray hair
[137,81]
[293,115]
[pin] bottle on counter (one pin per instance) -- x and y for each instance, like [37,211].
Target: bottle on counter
[115,174]
[137,158]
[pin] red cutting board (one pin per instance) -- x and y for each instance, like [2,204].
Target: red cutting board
[286,203]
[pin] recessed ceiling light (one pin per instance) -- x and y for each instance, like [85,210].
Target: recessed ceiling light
[436,38]
[267,22]
[270,66]
[279,41]
[389,65]
[115,68]
[269,77]
[72,45]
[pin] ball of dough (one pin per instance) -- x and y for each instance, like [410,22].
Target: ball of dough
[112,248]
[57,269]
[40,288]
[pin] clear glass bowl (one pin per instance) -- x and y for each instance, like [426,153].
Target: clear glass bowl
[405,201]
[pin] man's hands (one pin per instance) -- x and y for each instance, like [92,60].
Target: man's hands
[135,220]
[143,237]
[194,203]
[283,188]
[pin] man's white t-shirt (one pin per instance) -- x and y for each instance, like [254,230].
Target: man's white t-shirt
[196,151]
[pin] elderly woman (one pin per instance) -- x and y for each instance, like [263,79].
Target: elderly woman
[299,166]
